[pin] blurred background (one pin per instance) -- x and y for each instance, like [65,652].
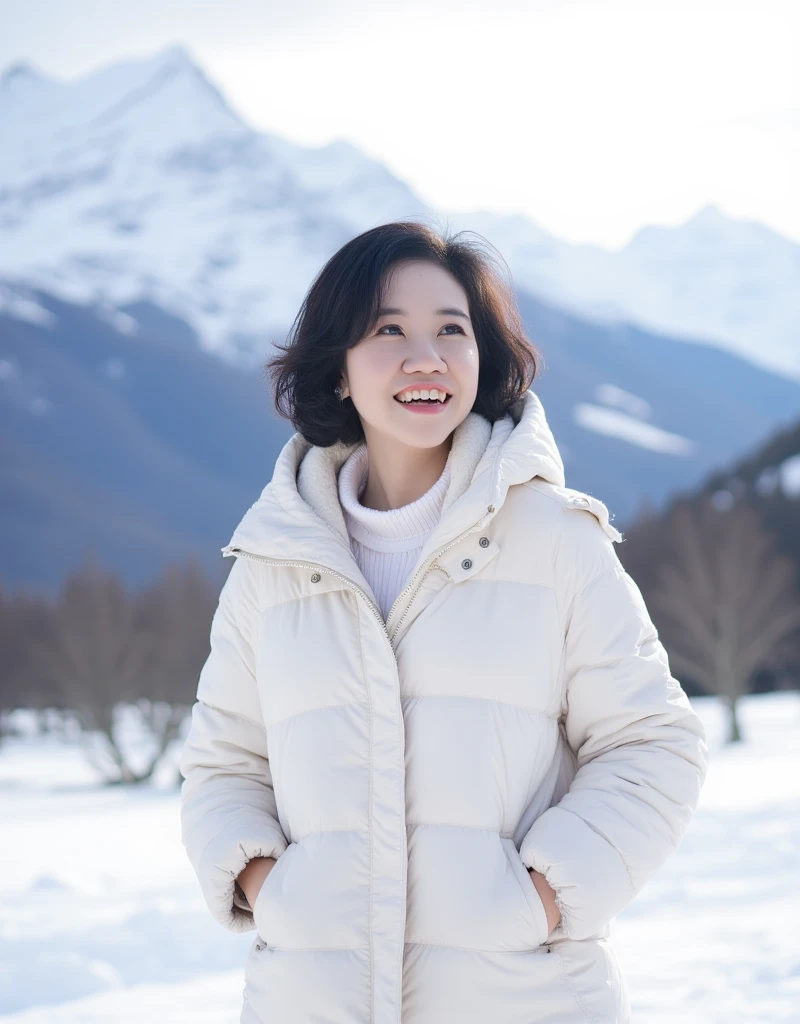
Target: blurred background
[172,177]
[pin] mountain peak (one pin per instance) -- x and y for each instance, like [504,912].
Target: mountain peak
[711,213]
[175,57]
[176,52]
[708,221]
[124,114]
[175,64]
[20,71]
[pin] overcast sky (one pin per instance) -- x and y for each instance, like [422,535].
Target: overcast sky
[593,117]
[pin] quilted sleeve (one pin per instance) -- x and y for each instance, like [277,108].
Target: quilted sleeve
[228,810]
[640,748]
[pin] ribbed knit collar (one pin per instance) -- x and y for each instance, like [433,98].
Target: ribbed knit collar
[298,515]
[397,529]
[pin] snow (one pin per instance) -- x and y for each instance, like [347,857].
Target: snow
[785,476]
[723,500]
[713,937]
[161,102]
[101,916]
[790,476]
[717,279]
[139,182]
[612,395]
[767,480]
[122,322]
[20,306]
[627,427]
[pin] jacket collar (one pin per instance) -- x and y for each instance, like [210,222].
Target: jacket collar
[298,515]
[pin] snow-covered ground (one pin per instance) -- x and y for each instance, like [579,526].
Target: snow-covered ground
[101,917]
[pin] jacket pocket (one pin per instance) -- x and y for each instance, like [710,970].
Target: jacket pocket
[261,909]
[538,914]
[317,894]
[591,973]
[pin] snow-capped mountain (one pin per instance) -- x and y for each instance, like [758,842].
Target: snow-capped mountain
[140,183]
[732,283]
[145,449]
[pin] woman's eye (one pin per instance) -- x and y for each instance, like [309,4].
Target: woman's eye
[458,327]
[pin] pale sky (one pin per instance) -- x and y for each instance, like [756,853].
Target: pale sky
[592,117]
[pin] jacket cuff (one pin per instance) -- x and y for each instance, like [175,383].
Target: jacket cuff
[222,862]
[589,877]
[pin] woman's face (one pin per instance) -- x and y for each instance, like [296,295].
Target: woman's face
[424,339]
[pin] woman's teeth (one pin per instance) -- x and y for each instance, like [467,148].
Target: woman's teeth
[423,395]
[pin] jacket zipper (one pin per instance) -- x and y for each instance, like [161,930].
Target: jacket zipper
[429,562]
[478,526]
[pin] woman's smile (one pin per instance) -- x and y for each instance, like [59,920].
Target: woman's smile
[429,406]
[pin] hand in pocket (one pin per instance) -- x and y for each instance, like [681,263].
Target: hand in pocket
[548,898]
[252,877]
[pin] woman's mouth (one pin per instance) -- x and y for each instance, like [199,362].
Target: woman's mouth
[424,405]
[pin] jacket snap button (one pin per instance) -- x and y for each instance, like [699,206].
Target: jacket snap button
[484,542]
[315,577]
[467,563]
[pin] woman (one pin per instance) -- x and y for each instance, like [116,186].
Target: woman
[437,746]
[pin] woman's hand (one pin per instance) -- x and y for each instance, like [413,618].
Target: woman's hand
[548,898]
[253,876]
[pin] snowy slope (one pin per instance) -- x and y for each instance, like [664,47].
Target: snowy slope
[730,282]
[106,442]
[140,182]
[101,917]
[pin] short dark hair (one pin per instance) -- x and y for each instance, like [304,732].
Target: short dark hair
[341,307]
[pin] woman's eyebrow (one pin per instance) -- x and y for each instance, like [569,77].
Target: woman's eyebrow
[447,311]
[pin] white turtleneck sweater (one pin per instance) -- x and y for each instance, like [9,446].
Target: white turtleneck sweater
[387,545]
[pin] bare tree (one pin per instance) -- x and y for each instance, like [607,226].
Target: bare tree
[22,618]
[124,667]
[177,613]
[95,652]
[9,663]
[729,602]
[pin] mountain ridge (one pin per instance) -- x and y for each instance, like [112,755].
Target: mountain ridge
[159,191]
[119,434]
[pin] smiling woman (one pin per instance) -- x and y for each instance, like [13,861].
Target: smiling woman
[400,307]
[437,745]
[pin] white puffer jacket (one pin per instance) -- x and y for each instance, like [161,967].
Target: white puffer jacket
[515,710]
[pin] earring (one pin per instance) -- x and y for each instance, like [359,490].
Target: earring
[338,392]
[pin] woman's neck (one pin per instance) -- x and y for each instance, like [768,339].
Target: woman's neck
[400,475]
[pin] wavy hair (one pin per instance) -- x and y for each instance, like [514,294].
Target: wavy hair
[341,308]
